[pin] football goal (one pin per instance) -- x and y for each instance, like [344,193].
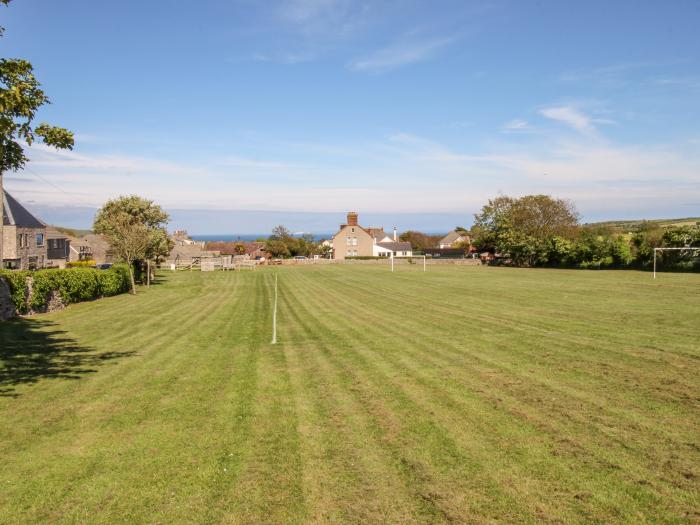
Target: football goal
[694,251]
[417,262]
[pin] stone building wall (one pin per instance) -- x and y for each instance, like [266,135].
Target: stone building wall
[9,242]
[25,254]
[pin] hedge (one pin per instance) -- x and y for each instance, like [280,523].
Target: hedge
[73,285]
[81,264]
[17,282]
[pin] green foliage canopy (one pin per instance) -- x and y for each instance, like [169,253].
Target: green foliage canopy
[524,228]
[21,97]
[135,229]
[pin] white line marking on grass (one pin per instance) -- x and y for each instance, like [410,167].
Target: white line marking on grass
[274,316]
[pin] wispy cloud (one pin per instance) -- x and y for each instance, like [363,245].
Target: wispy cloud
[570,116]
[608,73]
[516,124]
[305,11]
[255,163]
[401,53]
[420,173]
[323,24]
[682,82]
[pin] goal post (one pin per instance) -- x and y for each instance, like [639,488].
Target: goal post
[674,249]
[415,261]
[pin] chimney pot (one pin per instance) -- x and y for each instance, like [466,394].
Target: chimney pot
[352,218]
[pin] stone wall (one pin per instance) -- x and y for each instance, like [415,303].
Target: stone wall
[385,261]
[7,308]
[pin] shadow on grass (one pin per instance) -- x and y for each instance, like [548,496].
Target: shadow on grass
[33,349]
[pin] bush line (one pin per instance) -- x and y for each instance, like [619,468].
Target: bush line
[73,285]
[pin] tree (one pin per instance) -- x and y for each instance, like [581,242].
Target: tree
[490,223]
[524,228]
[128,238]
[135,229]
[277,248]
[293,246]
[419,241]
[324,250]
[21,97]
[280,233]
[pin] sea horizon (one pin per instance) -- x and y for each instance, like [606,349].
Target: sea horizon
[248,237]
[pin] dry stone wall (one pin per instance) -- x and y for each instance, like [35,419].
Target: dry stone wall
[7,308]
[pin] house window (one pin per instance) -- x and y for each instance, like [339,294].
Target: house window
[11,264]
[39,239]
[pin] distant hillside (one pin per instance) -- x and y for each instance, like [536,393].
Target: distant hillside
[72,231]
[630,225]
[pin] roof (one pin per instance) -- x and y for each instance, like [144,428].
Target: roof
[451,237]
[377,233]
[397,246]
[189,251]
[14,214]
[359,229]
[52,233]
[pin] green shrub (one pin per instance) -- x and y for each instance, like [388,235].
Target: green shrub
[114,281]
[17,282]
[77,284]
[74,285]
[81,264]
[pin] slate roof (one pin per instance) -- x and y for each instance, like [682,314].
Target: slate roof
[14,214]
[451,237]
[377,233]
[51,233]
[96,243]
[398,246]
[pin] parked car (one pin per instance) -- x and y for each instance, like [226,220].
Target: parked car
[103,266]
[300,258]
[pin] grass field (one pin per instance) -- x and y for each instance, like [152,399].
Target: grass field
[464,395]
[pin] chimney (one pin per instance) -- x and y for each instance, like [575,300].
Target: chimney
[395,234]
[352,218]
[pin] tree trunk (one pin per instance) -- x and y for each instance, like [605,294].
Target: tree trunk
[2,223]
[148,273]
[131,276]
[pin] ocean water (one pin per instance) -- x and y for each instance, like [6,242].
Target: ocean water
[248,237]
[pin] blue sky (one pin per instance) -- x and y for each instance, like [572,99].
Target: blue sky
[400,110]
